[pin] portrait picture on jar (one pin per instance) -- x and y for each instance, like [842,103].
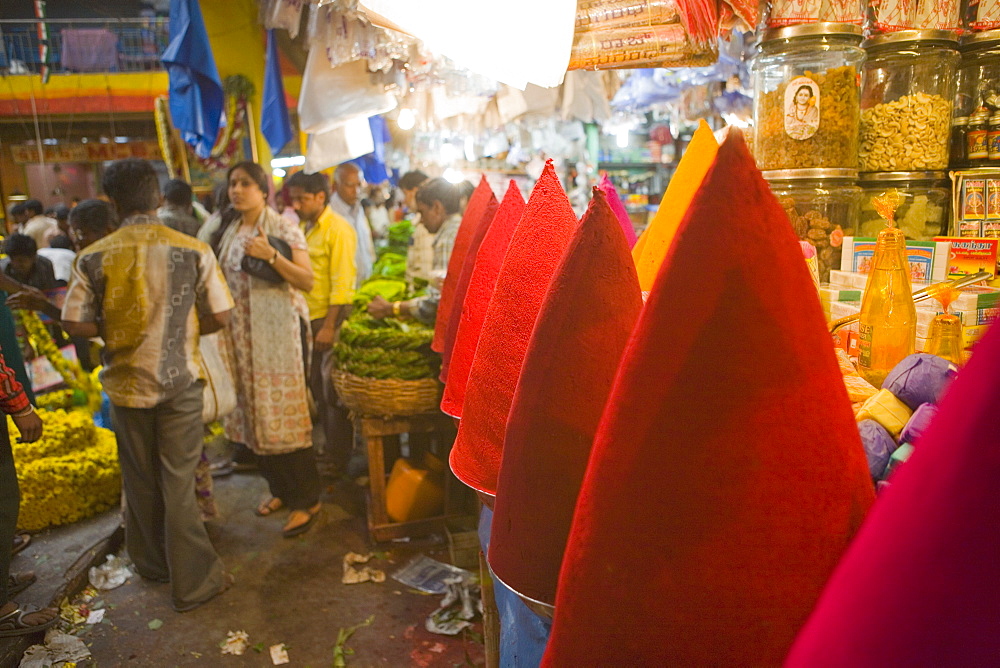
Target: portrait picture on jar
[801,108]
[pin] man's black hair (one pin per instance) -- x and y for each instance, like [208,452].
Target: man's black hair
[439,190]
[94,215]
[311,183]
[20,245]
[411,180]
[178,193]
[132,186]
[33,207]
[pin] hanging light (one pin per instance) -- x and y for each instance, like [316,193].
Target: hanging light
[452,175]
[405,120]
[621,137]
[280,173]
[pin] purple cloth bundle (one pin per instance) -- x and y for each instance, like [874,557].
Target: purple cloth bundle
[920,379]
[918,423]
[879,446]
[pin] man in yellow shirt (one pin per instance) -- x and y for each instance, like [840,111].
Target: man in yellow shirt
[332,243]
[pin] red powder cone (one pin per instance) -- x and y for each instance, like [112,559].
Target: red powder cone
[727,475]
[619,209]
[535,251]
[920,585]
[477,298]
[462,285]
[582,329]
[480,201]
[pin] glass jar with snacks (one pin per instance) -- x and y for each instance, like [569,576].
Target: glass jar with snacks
[924,212]
[906,105]
[978,73]
[822,206]
[807,84]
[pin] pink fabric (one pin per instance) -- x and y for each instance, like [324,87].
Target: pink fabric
[920,584]
[619,209]
[89,49]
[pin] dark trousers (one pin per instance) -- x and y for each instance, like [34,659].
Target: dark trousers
[338,432]
[158,449]
[292,477]
[10,499]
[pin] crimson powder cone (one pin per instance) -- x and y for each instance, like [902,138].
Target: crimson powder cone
[619,209]
[477,298]
[536,249]
[481,199]
[727,475]
[920,585]
[582,329]
[462,285]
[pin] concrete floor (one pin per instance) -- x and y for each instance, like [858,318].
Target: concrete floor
[287,591]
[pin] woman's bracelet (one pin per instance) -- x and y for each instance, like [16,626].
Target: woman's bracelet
[24,413]
[274,258]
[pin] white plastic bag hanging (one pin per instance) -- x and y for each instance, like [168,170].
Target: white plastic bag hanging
[344,142]
[285,14]
[332,96]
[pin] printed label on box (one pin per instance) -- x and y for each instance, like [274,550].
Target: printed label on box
[974,199]
[919,253]
[969,256]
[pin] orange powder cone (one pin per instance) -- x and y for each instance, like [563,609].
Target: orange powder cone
[690,173]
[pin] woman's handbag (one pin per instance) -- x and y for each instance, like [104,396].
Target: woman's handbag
[220,388]
[263,269]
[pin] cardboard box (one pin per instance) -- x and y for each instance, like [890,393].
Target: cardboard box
[928,259]
[970,255]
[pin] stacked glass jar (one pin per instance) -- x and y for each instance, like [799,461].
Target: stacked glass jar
[806,127]
[977,104]
[907,130]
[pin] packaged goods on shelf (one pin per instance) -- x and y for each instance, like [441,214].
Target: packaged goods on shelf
[848,280]
[971,255]
[928,259]
[891,16]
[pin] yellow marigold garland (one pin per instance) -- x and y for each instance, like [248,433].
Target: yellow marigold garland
[71,371]
[71,473]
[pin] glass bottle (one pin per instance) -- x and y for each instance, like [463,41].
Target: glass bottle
[977,152]
[946,338]
[958,145]
[888,324]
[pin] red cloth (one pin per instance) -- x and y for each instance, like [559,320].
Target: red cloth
[538,245]
[462,285]
[727,475]
[582,329]
[920,585]
[481,199]
[477,298]
[619,209]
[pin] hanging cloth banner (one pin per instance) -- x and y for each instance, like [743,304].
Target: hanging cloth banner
[274,123]
[196,97]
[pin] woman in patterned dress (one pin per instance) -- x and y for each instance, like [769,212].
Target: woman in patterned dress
[267,342]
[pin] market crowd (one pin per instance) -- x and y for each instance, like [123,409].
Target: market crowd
[151,273]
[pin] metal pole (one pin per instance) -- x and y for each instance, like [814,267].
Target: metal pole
[252,132]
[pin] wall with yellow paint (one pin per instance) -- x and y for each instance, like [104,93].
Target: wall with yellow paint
[238,46]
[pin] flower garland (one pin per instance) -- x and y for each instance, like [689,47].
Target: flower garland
[69,474]
[71,371]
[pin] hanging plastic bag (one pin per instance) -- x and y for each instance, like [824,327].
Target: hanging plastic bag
[332,96]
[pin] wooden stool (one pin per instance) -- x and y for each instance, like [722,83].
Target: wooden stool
[374,429]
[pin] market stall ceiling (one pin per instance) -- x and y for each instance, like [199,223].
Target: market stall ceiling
[523,42]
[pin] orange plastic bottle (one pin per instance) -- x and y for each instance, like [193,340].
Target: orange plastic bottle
[414,493]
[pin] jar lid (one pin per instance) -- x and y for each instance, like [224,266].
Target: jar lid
[811,30]
[925,37]
[960,120]
[978,40]
[878,177]
[810,174]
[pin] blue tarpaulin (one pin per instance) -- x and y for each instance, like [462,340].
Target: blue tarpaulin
[274,123]
[196,97]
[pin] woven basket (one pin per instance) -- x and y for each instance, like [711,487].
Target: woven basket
[390,396]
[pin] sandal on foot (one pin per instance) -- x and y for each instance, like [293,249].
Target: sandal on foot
[300,529]
[18,582]
[21,541]
[270,506]
[14,624]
